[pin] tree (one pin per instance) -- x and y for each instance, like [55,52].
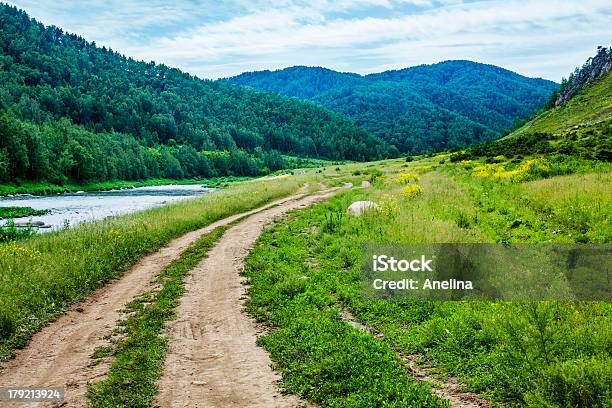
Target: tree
[4,165]
[172,167]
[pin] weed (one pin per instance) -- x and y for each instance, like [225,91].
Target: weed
[462,220]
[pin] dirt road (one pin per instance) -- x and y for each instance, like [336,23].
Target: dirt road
[59,355]
[213,360]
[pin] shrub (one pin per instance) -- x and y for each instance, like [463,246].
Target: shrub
[462,220]
[405,178]
[292,286]
[332,221]
[411,190]
[581,383]
[7,328]
[9,232]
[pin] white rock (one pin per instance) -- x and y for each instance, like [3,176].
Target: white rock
[359,207]
[365,184]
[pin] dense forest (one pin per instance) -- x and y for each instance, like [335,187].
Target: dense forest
[70,110]
[421,109]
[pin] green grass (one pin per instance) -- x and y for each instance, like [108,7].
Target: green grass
[9,232]
[581,127]
[42,275]
[538,354]
[320,357]
[588,107]
[18,212]
[138,356]
[44,188]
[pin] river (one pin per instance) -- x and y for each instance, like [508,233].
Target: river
[75,208]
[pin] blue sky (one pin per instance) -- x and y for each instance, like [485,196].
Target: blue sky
[215,39]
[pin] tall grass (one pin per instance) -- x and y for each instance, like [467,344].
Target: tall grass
[538,354]
[41,275]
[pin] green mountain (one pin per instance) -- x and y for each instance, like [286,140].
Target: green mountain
[421,109]
[577,123]
[72,110]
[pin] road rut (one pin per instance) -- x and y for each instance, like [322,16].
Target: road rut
[213,360]
[59,355]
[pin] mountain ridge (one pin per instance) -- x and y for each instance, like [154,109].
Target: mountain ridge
[576,123]
[475,101]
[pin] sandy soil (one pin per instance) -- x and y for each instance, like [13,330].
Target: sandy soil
[59,355]
[213,360]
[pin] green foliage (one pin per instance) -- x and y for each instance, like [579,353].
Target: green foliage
[541,354]
[44,188]
[462,220]
[580,127]
[580,383]
[421,109]
[9,232]
[74,111]
[321,358]
[18,212]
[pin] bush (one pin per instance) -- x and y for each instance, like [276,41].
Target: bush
[292,286]
[9,232]
[462,220]
[7,328]
[582,383]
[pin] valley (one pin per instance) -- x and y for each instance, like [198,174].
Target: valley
[209,239]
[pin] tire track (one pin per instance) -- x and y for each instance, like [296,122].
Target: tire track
[59,354]
[213,359]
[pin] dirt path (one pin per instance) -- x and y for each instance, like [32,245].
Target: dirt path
[213,360]
[448,389]
[59,355]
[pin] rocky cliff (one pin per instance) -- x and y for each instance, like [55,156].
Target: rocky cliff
[591,71]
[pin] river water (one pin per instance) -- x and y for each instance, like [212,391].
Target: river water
[80,207]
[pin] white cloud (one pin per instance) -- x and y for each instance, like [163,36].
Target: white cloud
[533,37]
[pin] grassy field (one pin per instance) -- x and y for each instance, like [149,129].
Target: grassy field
[588,107]
[41,275]
[305,276]
[306,270]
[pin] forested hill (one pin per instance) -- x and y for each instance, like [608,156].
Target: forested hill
[72,110]
[420,109]
[577,123]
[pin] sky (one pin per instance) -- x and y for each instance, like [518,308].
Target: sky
[215,39]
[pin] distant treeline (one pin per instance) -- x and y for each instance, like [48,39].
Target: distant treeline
[60,151]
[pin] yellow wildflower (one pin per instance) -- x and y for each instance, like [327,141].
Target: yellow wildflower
[411,190]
